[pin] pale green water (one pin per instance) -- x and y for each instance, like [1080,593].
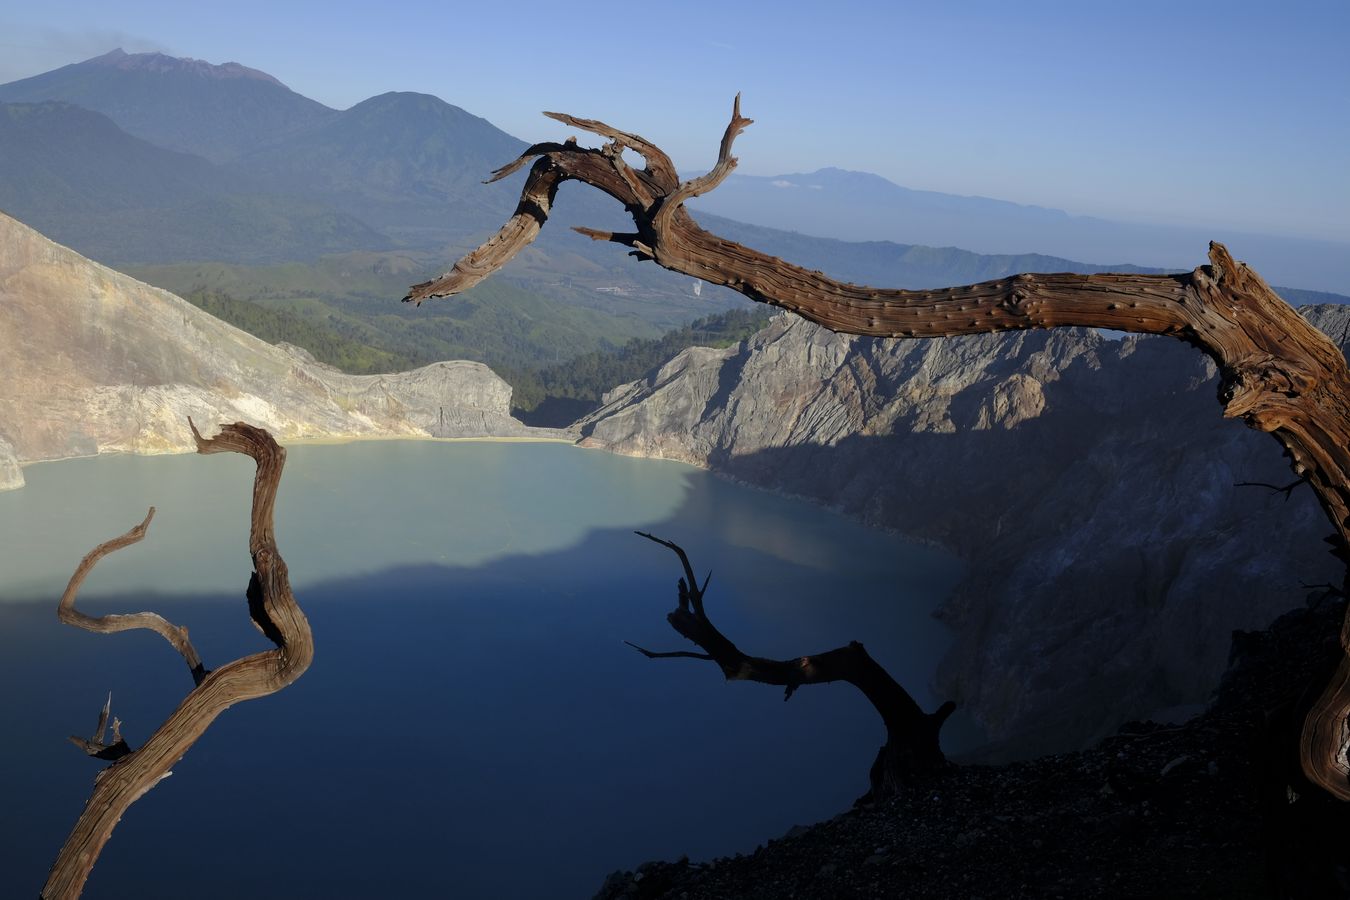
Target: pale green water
[471,695]
[342,510]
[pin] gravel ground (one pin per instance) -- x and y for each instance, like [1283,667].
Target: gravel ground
[1206,809]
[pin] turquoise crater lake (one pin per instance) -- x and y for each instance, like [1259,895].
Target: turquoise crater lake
[473,725]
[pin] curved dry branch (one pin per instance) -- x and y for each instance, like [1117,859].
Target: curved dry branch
[659,166]
[716,175]
[176,635]
[1278,373]
[274,610]
[912,744]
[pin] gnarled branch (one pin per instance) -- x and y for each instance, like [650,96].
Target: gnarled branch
[274,610]
[911,746]
[1278,373]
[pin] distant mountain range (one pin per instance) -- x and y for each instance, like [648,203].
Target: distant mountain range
[219,177]
[217,112]
[76,176]
[858,206]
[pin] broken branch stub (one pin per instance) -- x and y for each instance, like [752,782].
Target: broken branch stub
[1277,373]
[134,772]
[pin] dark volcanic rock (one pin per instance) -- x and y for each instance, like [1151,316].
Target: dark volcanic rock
[1207,809]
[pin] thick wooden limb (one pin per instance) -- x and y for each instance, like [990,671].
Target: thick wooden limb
[176,635]
[1278,373]
[272,606]
[912,744]
[659,167]
[536,199]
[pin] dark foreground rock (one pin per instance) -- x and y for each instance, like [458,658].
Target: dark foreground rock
[1205,809]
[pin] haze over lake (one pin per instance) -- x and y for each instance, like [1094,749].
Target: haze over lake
[472,725]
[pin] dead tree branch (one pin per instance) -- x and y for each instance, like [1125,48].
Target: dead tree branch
[272,607]
[1286,489]
[912,745]
[176,635]
[98,746]
[1277,373]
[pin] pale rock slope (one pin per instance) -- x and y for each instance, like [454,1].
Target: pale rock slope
[1089,483]
[93,361]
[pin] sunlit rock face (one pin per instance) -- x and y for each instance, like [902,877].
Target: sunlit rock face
[11,476]
[1089,483]
[94,361]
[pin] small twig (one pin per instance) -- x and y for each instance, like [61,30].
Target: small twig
[688,585]
[102,730]
[97,746]
[1287,489]
[671,654]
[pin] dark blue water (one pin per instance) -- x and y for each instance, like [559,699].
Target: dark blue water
[473,725]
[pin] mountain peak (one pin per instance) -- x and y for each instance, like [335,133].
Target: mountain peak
[163,63]
[189,105]
[410,102]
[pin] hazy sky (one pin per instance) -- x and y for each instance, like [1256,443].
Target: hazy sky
[1182,112]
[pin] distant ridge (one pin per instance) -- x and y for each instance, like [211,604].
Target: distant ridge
[159,62]
[399,160]
[860,206]
[214,111]
[77,176]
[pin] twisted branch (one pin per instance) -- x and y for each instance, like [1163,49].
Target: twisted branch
[911,734]
[273,609]
[176,635]
[1277,373]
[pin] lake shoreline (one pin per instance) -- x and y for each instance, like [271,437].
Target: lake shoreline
[579,442]
[330,440]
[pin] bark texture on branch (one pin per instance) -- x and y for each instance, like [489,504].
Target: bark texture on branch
[273,609]
[1278,373]
[912,746]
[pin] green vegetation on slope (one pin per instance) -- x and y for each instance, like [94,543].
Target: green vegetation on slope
[560,394]
[509,325]
[80,180]
[556,395]
[274,326]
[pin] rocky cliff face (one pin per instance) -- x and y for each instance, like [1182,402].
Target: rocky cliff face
[11,476]
[92,361]
[1088,482]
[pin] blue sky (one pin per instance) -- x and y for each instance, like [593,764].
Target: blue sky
[1188,113]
